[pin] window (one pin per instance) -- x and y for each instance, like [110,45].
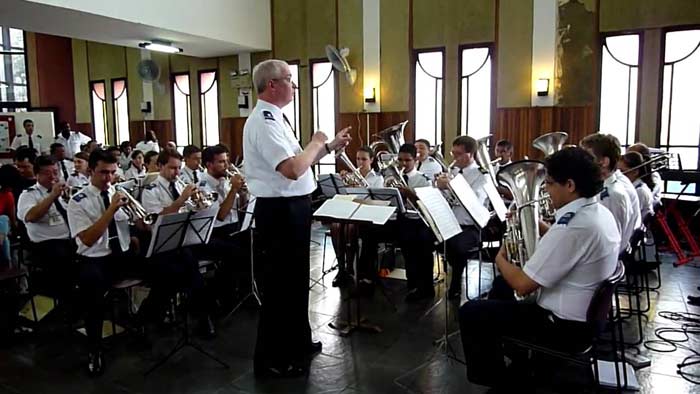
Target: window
[14,94]
[121,110]
[475,92]
[323,108]
[209,104]
[680,118]
[99,111]
[428,96]
[291,111]
[182,110]
[618,87]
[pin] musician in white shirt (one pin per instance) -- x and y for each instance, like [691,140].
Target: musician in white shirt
[504,152]
[426,164]
[149,143]
[631,164]
[65,166]
[81,173]
[655,177]
[136,168]
[192,170]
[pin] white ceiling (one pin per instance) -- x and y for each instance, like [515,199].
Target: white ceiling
[60,21]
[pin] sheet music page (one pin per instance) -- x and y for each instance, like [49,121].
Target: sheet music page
[373,213]
[344,197]
[439,210]
[337,208]
[468,198]
[498,205]
[390,194]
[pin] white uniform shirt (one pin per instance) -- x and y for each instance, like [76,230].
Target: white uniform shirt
[157,196]
[221,186]
[497,167]
[68,166]
[52,225]
[268,141]
[477,180]
[429,167]
[72,143]
[634,199]
[147,146]
[616,200]
[188,176]
[646,200]
[571,259]
[416,179]
[133,172]
[658,185]
[22,139]
[124,161]
[84,209]
[78,179]
[374,179]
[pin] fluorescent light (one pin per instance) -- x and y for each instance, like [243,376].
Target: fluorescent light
[160,47]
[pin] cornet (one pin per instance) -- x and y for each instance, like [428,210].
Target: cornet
[198,200]
[134,209]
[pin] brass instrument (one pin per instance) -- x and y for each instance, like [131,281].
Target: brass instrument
[484,158]
[549,143]
[70,191]
[656,163]
[354,176]
[393,177]
[134,209]
[437,156]
[198,200]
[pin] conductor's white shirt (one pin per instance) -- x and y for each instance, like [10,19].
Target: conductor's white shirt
[84,209]
[267,142]
[614,197]
[477,180]
[50,226]
[571,259]
[147,146]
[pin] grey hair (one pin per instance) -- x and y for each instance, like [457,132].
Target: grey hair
[266,71]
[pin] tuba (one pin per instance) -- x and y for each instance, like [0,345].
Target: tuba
[548,144]
[391,138]
[353,177]
[524,179]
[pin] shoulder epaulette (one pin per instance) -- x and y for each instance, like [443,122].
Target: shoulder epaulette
[79,197]
[151,186]
[605,193]
[268,115]
[566,218]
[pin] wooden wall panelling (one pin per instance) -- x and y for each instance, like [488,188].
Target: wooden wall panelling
[55,76]
[377,122]
[163,129]
[231,135]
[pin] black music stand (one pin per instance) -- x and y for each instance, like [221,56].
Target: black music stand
[330,184]
[172,232]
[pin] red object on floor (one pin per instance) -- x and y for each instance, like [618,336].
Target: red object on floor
[661,218]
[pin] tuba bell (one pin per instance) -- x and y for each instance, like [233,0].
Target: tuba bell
[484,158]
[548,144]
[391,138]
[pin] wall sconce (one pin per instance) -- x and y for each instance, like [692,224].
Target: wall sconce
[542,86]
[370,95]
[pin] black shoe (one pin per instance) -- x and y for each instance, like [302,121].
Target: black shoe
[342,279]
[207,330]
[418,295]
[95,364]
[285,371]
[315,347]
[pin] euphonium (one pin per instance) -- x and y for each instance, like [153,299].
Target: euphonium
[393,177]
[354,176]
[484,158]
[134,209]
[548,144]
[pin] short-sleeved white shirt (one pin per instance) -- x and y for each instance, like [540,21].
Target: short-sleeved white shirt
[634,199]
[267,142]
[188,176]
[577,253]
[134,172]
[374,180]
[147,146]
[614,197]
[70,168]
[157,196]
[646,200]
[72,143]
[77,179]
[22,139]
[429,167]
[84,209]
[221,186]
[52,225]
[658,182]
[477,180]
[416,179]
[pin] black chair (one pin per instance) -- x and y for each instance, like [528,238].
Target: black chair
[600,314]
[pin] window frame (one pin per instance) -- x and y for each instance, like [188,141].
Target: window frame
[492,100]
[114,110]
[13,106]
[190,133]
[92,110]
[201,109]
[414,59]
[335,75]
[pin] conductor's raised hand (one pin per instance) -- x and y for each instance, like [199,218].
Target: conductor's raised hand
[319,137]
[341,140]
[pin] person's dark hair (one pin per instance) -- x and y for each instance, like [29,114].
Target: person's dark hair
[190,150]
[10,177]
[43,161]
[642,148]
[370,152]
[54,146]
[135,153]
[468,143]
[422,141]
[579,166]
[166,154]
[124,145]
[603,145]
[111,149]
[82,155]
[211,152]
[100,155]
[505,144]
[27,121]
[635,159]
[147,157]
[225,147]
[150,136]
[408,148]
[24,153]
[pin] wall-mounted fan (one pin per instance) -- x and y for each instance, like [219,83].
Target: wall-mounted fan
[149,71]
[338,59]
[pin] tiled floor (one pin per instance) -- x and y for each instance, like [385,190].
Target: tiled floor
[401,359]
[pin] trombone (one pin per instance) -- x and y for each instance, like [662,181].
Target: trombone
[656,163]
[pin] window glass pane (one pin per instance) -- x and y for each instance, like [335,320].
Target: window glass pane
[476,92]
[680,44]
[210,107]
[17,39]
[428,97]
[181,105]
[618,93]
[121,110]
[685,116]
[292,110]
[99,112]
[322,76]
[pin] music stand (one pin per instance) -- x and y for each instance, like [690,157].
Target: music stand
[331,184]
[173,232]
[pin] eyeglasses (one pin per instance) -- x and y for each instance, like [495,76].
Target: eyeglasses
[287,78]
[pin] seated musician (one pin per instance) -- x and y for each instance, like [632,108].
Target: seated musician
[150,160]
[466,244]
[43,211]
[572,258]
[101,230]
[504,152]
[175,270]
[415,238]
[655,176]
[117,153]
[81,173]
[426,164]
[631,164]
[613,196]
[65,166]
[191,171]
[136,168]
[630,190]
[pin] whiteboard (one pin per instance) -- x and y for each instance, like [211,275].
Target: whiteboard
[43,125]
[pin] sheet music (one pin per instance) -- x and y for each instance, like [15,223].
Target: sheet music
[439,210]
[201,227]
[337,208]
[248,217]
[373,213]
[496,201]
[468,198]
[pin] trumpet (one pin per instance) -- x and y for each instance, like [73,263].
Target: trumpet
[393,177]
[134,209]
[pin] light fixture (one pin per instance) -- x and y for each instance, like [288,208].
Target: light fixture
[370,95]
[160,46]
[542,87]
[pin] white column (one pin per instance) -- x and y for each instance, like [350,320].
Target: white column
[370,53]
[544,47]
